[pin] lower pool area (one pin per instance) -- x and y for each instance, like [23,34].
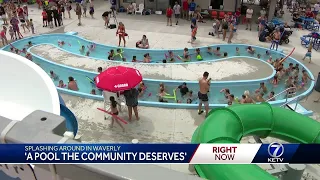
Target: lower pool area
[176,100]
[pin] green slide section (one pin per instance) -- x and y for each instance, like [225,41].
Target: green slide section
[229,125]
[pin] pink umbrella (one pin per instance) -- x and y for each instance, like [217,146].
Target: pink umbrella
[118,78]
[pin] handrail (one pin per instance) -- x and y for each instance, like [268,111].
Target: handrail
[297,99]
[286,91]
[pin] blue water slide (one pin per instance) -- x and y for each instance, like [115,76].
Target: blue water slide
[71,120]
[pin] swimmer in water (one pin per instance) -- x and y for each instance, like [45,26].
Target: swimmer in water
[12,49]
[111,55]
[237,51]
[24,50]
[267,53]
[93,92]
[29,44]
[99,70]
[209,50]
[162,88]
[72,85]
[271,96]
[259,97]
[53,75]
[204,88]
[250,50]
[28,56]
[61,43]
[226,92]
[275,80]
[161,94]
[134,59]
[270,60]
[92,47]
[61,84]
[186,56]
[170,55]
[82,49]
[88,53]
[258,56]
[146,58]
[217,51]
[262,88]
[305,78]
[289,81]
[17,51]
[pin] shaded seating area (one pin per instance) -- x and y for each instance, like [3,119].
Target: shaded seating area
[313,37]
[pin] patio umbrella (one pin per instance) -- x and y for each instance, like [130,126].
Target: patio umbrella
[118,78]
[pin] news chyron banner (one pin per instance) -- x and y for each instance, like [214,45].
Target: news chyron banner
[274,153]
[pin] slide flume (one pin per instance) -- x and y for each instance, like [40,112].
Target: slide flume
[230,124]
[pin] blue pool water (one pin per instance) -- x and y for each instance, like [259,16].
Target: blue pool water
[150,98]
[73,44]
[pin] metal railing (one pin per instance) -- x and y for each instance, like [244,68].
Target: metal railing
[284,91]
[297,99]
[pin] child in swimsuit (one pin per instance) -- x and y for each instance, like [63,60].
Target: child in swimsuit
[186,55]
[93,92]
[82,49]
[237,51]
[111,54]
[88,53]
[61,84]
[24,50]
[275,80]
[308,54]
[114,112]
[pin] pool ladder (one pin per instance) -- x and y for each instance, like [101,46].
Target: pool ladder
[296,99]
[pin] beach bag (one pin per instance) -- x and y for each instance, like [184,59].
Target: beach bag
[113,26]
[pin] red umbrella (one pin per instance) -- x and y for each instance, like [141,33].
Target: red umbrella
[118,78]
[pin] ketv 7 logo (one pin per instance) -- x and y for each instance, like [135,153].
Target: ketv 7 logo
[275,150]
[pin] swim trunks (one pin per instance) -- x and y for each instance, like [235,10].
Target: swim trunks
[116,113]
[308,54]
[203,97]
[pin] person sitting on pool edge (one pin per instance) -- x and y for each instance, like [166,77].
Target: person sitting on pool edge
[72,84]
[143,43]
[183,89]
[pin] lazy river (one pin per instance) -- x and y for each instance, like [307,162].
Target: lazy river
[150,99]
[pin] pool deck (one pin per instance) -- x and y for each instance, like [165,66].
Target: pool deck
[156,124]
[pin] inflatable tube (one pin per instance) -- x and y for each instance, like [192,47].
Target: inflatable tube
[229,125]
